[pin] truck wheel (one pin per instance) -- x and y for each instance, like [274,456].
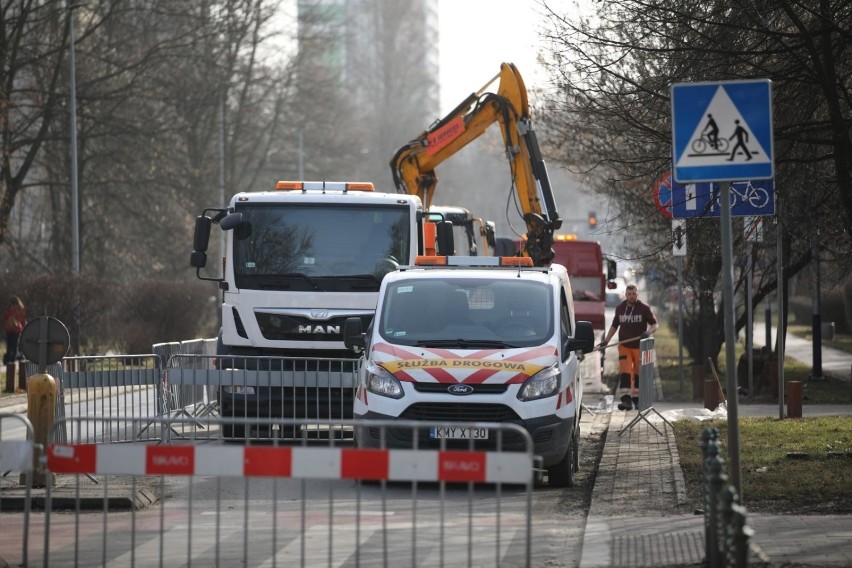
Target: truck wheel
[233,432]
[562,474]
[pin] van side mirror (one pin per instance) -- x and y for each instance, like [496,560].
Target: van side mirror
[584,338]
[353,334]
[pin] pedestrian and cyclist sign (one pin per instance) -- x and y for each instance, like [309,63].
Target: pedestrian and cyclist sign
[722,131]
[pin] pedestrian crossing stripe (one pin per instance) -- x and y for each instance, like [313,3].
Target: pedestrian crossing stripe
[722,131]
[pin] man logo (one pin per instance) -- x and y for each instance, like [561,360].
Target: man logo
[460,389]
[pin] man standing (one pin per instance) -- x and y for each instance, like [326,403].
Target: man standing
[14,320]
[634,320]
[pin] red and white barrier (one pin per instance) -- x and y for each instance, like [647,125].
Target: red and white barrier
[291,462]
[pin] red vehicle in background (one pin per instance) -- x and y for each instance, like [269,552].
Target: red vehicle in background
[589,276]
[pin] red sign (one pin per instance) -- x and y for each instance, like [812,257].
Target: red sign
[663,195]
[170,460]
[444,135]
[461,466]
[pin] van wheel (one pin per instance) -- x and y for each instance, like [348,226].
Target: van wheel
[562,474]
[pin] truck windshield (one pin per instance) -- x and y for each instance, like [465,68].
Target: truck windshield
[469,313]
[314,247]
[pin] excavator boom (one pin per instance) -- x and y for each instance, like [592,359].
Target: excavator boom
[414,164]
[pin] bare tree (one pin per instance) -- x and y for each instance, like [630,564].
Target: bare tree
[167,93]
[31,64]
[611,112]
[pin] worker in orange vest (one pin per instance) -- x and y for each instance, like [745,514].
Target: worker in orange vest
[634,321]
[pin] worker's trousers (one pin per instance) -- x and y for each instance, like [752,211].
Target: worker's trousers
[628,368]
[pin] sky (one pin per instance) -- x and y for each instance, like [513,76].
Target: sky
[477,35]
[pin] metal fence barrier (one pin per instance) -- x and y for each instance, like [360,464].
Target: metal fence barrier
[726,534]
[189,399]
[187,380]
[647,371]
[305,503]
[17,455]
[114,385]
[263,387]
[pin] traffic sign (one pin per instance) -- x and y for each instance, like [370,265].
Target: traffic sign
[44,341]
[663,195]
[722,131]
[748,198]
[678,237]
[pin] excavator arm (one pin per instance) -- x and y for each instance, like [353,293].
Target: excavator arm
[414,164]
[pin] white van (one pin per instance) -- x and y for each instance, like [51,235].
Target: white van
[474,339]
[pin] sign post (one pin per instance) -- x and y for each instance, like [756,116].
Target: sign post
[679,251]
[722,132]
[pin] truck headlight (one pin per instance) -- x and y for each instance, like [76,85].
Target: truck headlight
[380,381]
[541,385]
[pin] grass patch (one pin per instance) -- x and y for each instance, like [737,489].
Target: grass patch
[771,481]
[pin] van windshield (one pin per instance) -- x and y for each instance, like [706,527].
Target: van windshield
[314,247]
[467,313]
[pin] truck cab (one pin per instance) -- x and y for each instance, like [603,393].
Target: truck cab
[484,339]
[297,262]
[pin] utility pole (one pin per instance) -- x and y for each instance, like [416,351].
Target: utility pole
[75,207]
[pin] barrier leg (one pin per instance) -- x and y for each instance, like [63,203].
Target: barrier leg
[22,376]
[10,377]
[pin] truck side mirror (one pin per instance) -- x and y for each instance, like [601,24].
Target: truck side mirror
[446,246]
[353,334]
[202,233]
[231,221]
[198,259]
[611,269]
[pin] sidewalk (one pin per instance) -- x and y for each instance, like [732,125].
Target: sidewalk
[640,515]
[835,362]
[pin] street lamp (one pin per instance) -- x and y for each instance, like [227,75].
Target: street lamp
[75,219]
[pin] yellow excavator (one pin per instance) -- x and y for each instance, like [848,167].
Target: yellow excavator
[414,164]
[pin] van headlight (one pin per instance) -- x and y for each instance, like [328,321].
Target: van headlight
[541,385]
[380,381]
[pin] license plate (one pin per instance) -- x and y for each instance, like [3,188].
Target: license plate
[458,433]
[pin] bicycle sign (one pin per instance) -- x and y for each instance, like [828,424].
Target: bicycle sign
[748,198]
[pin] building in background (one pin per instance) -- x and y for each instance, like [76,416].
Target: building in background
[380,59]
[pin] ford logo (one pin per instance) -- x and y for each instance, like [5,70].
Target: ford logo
[460,389]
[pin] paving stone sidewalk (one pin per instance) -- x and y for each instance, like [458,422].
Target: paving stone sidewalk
[640,516]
